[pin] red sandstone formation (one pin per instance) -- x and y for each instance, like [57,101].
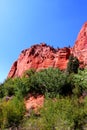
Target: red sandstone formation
[34,103]
[80,48]
[42,56]
[39,56]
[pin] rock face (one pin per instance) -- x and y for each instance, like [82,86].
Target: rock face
[42,56]
[39,56]
[34,103]
[80,48]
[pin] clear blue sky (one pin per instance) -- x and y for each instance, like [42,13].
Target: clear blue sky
[26,22]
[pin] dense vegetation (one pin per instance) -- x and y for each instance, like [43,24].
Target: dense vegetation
[65,105]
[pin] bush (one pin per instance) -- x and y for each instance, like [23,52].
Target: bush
[8,87]
[50,82]
[41,82]
[59,114]
[64,114]
[80,82]
[11,113]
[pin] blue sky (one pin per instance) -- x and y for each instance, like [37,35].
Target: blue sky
[26,22]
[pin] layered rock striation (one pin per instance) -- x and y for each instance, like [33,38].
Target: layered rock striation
[41,56]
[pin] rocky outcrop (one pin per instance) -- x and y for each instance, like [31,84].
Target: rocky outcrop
[39,56]
[42,56]
[80,48]
[13,69]
[34,103]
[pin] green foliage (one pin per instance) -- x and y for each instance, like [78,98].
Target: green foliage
[15,112]
[29,73]
[8,87]
[73,65]
[50,82]
[21,87]
[59,114]
[11,112]
[1,91]
[80,82]
[47,81]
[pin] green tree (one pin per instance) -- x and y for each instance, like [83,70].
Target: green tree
[73,65]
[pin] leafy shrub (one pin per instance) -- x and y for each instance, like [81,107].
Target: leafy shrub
[64,114]
[15,112]
[80,82]
[11,112]
[8,87]
[50,82]
[59,114]
[21,87]
[44,82]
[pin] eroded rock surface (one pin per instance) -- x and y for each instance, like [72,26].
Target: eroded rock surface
[34,103]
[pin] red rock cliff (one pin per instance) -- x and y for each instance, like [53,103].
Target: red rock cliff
[80,48]
[41,56]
